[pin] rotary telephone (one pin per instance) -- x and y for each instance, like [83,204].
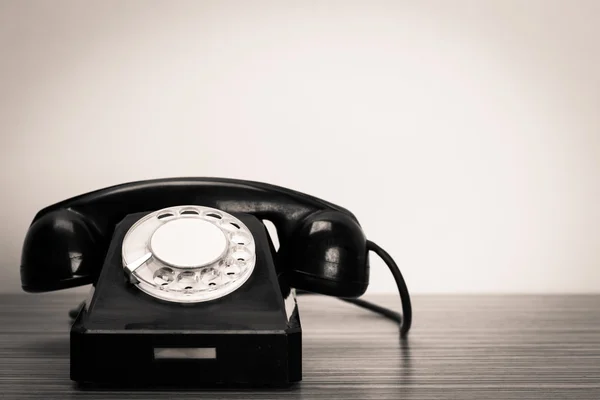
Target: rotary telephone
[183,272]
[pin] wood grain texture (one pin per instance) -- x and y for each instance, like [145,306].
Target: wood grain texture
[461,347]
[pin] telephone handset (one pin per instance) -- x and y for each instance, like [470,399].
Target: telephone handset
[322,246]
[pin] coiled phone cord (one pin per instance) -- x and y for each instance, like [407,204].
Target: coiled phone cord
[404,319]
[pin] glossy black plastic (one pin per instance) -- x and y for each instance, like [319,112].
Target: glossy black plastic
[329,261]
[329,255]
[60,251]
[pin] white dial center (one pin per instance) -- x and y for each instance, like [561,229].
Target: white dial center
[188,243]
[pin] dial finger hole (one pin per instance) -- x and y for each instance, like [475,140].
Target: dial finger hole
[232,271]
[164,276]
[189,212]
[212,215]
[187,279]
[241,255]
[229,226]
[231,262]
[208,276]
[165,215]
[241,238]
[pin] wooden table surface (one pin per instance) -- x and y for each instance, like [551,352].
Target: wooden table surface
[461,347]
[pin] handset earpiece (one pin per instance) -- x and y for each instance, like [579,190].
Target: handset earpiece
[327,254]
[59,252]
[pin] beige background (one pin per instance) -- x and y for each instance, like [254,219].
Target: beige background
[465,135]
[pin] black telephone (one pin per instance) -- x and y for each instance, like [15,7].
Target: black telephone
[83,240]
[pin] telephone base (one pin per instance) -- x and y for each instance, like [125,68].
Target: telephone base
[250,337]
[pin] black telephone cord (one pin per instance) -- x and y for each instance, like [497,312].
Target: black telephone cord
[404,320]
